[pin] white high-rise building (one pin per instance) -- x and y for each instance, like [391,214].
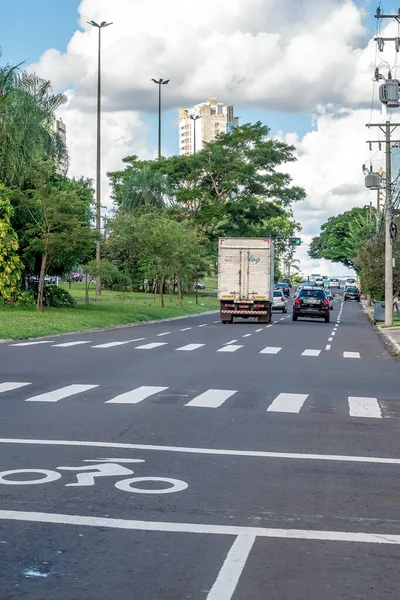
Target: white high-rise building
[214,118]
[59,127]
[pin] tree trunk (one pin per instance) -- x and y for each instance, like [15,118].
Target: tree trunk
[180,292]
[87,290]
[39,303]
[197,294]
[155,292]
[162,291]
[170,292]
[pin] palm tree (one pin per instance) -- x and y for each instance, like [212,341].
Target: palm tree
[143,191]
[27,107]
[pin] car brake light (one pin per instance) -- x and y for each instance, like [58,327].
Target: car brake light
[282,299]
[297,301]
[326,303]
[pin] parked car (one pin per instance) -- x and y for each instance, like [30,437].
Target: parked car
[311,302]
[334,282]
[352,293]
[283,287]
[279,301]
[288,281]
[75,276]
[200,285]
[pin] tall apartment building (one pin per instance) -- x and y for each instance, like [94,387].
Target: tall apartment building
[215,118]
[59,127]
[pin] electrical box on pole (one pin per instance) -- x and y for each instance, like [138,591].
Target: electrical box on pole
[389,93]
[373,181]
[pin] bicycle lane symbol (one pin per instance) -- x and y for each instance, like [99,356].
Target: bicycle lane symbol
[86,476]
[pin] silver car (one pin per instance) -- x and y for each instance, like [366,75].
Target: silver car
[279,301]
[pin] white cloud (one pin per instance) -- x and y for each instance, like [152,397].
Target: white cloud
[299,56]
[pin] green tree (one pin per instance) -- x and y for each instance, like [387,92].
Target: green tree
[370,265]
[143,190]
[10,263]
[341,236]
[58,228]
[27,107]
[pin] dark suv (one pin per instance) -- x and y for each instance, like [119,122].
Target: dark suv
[352,293]
[311,302]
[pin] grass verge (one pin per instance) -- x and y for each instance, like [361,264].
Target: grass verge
[114,309]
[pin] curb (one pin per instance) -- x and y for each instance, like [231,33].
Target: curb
[387,339]
[112,327]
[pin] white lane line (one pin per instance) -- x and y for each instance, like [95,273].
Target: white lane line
[364,407]
[333,333]
[69,344]
[233,530]
[186,329]
[33,343]
[288,403]
[216,321]
[231,348]
[231,342]
[270,350]
[165,333]
[311,353]
[268,326]
[351,355]
[190,347]
[8,386]
[330,339]
[64,392]
[283,318]
[229,575]
[211,398]
[204,325]
[209,451]
[328,347]
[247,335]
[112,344]
[258,330]
[151,346]
[137,395]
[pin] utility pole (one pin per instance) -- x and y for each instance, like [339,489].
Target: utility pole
[194,118]
[159,82]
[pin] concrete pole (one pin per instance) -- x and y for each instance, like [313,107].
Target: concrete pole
[388,243]
[98,168]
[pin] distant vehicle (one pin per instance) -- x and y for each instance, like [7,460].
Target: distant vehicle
[352,293]
[245,278]
[319,281]
[75,276]
[200,285]
[288,281]
[334,282]
[330,297]
[284,287]
[279,301]
[311,302]
[350,282]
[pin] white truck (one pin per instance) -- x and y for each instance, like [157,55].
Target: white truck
[245,278]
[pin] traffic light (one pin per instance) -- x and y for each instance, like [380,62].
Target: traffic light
[295,241]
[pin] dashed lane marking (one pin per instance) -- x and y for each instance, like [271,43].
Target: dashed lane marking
[70,344]
[204,325]
[328,347]
[258,330]
[186,329]
[33,343]
[351,355]
[164,333]
[231,342]
[247,335]
[364,407]
[137,395]
[112,344]
[211,398]
[151,346]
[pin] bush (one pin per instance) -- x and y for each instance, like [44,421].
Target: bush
[113,279]
[52,296]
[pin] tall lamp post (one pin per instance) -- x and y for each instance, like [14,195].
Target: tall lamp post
[159,82]
[99,26]
[194,118]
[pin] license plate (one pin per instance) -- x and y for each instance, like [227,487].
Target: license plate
[244,306]
[312,301]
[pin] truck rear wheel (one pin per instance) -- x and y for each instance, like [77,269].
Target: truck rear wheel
[263,319]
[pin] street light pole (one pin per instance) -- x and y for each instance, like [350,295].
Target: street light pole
[194,119]
[99,26]
[159,82]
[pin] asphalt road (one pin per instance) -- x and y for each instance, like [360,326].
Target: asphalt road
[195,460]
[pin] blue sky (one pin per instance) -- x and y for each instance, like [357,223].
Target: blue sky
[29,27]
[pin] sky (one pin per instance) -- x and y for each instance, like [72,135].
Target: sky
[303,67]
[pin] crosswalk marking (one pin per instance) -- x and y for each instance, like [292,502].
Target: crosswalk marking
[69,344]
[64,392]
[33,343]
[211,398]
[288,403]
[137,395]
[151,346]
[270,350]
[351,355]
[112,344]
[364,407]
[311,353]
[7,386]
[231,348]
[190,347]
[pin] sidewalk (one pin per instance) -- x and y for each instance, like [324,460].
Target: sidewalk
[390,335]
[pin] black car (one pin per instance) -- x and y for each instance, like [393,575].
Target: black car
[313,303]
[352,293]
[288,281]
[283,287]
